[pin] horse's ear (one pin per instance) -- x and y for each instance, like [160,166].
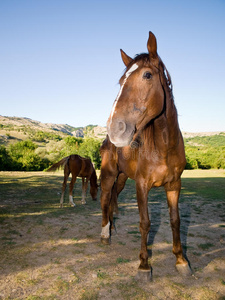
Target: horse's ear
[126,59]
[152,45]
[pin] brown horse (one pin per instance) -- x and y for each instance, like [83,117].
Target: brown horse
[144,143]
[79,167]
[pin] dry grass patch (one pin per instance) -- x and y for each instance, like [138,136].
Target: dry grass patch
[52,253]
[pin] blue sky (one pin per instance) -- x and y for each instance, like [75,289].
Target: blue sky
[60,60]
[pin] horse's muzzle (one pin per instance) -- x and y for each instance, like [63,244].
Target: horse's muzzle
[120,132]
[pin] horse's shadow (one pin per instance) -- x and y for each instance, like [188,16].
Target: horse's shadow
[185,216]
[155,217]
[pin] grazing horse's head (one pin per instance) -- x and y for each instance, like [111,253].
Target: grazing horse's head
[94,192]
[141,95]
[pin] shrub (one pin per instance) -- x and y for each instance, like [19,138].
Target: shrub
[5,160]
[90,148]
[24,158]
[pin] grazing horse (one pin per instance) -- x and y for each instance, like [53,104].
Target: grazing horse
[79,167]
[144,143]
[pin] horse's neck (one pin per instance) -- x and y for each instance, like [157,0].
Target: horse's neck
[164,132]
[172,121]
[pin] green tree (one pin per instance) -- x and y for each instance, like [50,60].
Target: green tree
[90,148]
[5,160]
[24,157]
[71,146]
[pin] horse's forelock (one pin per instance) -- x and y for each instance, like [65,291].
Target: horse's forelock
[142,57]
[145,58]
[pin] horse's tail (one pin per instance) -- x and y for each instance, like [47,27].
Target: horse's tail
[59,164]
[114,197]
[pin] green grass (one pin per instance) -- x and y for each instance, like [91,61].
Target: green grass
[89,294]
[208,184]
[205,246]
[208,188]
[36,195]
[134,232]
[102,275]
[121,260]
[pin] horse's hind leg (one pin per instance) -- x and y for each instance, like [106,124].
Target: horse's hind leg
[173,192]
[84,189]
[117,189]
[72,182]
[66,175]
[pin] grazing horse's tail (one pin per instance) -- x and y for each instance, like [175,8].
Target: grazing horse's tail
[59,164]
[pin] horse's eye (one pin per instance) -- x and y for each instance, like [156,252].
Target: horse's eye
[147,75]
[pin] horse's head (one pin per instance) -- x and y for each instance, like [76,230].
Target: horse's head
[94,192]
[141,95]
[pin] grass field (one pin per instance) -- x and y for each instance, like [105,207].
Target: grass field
[52,253]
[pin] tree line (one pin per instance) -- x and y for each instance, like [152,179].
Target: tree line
[201,152]
[205,152]
[27,156]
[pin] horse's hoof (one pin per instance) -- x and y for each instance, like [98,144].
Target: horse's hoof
[144,275]
[184,269]
[106,241]
[83,202]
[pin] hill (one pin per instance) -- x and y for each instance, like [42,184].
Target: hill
[26,144]
[20,128]
[200,134]
[14,129]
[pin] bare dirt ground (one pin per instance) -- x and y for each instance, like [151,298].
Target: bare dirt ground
[52,253]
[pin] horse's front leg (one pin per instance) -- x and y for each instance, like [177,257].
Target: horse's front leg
[144,270]
[172,193]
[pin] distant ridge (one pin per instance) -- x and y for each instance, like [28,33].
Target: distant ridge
[23,122]
[89,130]
[194,134]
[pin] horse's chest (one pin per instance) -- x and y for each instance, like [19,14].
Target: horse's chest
[155,167]
[155,172]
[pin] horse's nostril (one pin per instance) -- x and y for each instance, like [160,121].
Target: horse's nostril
[122,126]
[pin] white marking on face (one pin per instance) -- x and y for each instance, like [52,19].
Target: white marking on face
[127,74]
[105,231]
